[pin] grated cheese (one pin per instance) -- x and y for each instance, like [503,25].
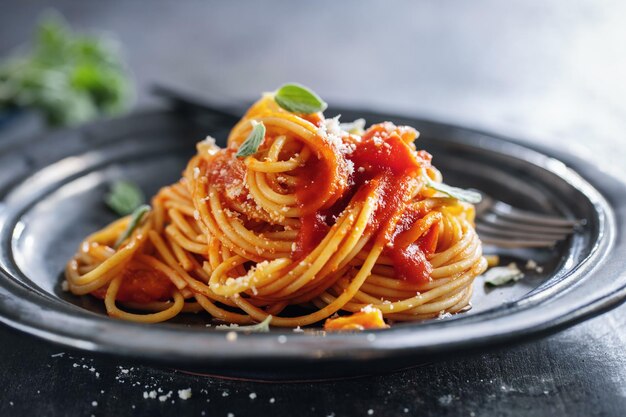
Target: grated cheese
[184,394]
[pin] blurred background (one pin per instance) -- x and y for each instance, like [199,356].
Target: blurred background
[548,71]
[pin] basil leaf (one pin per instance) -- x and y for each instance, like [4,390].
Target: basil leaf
[503,275]
[297,98]
[124,197]
[261,327]
[251,145]
[135,220]
[468,196]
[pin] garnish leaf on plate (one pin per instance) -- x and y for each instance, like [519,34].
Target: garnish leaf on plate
[124,197]
[262,327]
[501,275]
[251,145]
[297,98]
[135,221]
[461,194]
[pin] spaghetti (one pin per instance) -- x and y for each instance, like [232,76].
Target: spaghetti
[316,217]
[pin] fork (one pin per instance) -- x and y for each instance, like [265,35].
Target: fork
[503,225]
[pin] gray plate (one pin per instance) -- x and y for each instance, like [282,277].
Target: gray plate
[51,191]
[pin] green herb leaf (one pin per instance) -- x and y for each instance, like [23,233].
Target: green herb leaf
[297,98]
[253,141]
[135,221]
[124,197]
[501,275]
[261,327]
[468,196]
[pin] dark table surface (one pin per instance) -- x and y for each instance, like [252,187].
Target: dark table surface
[550,71]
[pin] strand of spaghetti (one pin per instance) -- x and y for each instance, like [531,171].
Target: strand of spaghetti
[165,269]
[183,241]
[182,224]
[156,306]
[222,314]
[306,269]
[327,310]
[113,311]
[221,228]
[122,256]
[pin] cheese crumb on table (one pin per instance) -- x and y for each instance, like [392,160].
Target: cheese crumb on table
[184,394]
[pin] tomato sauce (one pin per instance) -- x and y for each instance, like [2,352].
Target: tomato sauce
[313,228]
[141,285]
[383,161]
[226,170]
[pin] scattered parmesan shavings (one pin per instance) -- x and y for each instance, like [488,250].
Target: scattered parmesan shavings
[165,397]
[443,315]
[298,330]
[501,275]
[184,394]
[65,286]
[333,126]
[368,309]
[350,166]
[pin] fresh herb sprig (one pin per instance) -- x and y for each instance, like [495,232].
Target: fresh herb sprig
[251,145]
[124,197]
[461,194]
[297,98]
[502,275]
[135,221]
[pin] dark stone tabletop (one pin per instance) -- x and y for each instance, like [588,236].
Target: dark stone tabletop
[549,72]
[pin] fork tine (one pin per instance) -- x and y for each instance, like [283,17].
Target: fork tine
[504,233]
[524,216]
[502,223]
[510,243]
